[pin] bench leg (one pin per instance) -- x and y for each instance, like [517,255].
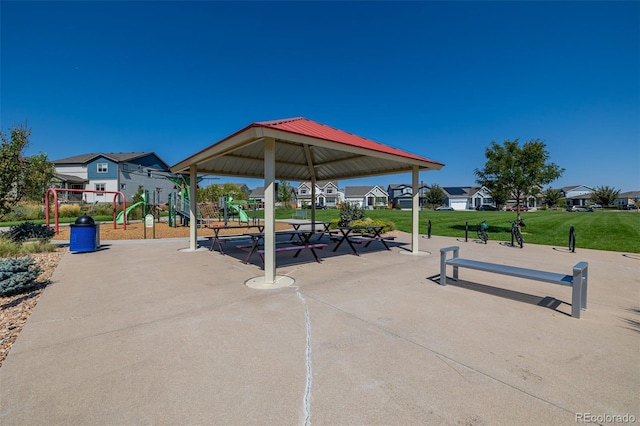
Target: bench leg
[576,296]
[579,293]
[443,268]
[443,264]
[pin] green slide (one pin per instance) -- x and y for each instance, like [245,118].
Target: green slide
[120,217]
[241,213]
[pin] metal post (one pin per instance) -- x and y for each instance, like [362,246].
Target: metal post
[429,229]
[466,232]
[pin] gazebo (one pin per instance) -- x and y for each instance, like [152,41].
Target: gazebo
[298,149]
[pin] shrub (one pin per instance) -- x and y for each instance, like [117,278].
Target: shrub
[69,210]
[388,226]
[9,247]
[349,213]
[29,230]
[17,275]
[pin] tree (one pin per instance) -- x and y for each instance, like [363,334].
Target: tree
[518,171]
[21,177]
[434,195]
[212,192]
[285,193]
[500,196]
[604,195]
[552,197]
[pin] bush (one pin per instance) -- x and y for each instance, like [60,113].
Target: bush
[25,211]
[69,210]
[388,226]
[349,213]
[17,275]
[29,230]
[9,247]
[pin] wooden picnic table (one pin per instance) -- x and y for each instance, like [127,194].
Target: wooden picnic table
[302,243]
[361,234]
[217,238]
[325,227]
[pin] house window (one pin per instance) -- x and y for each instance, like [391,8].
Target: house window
[329,191]
[123,186]
[99,187]
[103,167]
[303,191]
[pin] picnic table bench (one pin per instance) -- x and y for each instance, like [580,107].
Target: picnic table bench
[361,234]
[302,243]
[220,239]
[578,280]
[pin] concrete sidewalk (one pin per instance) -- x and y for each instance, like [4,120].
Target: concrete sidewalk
[143,333]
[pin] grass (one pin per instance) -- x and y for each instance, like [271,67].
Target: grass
[610,230]
[10,248]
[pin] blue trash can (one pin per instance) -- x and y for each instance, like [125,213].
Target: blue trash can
[83,235]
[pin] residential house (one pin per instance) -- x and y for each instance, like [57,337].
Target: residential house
[578,195]
[459,197]
[480,196]
[327,194]
[68,182]
[367,197]
[124,172]
[257,194]
[626,198]
[401,195]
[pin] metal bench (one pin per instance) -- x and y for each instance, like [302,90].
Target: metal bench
[299,214]
[578,281]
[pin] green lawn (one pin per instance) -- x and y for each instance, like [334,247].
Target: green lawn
[612,230]
[602,230]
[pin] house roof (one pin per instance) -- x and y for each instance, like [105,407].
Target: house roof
[117,157]
[629,194]
[303,148]
[359,191]
[456,190]
[257,193]
[69,178]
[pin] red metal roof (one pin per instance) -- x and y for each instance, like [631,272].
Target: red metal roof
[305,127]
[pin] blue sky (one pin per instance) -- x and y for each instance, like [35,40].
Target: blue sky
[438,79]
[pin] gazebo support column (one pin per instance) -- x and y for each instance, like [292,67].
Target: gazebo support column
[193,208]
[269,211]
[415,211]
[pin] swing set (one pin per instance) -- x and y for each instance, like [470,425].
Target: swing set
[55,192]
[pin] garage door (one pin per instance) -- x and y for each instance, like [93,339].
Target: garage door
[459,205]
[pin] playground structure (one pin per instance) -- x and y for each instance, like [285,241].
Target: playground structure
[152,208]
[55,192]
[225,210]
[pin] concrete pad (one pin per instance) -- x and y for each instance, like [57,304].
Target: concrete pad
[145,333]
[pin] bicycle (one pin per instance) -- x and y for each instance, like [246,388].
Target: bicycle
[515,232]
[482,231]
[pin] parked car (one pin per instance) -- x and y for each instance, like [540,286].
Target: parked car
[579,209]
[318,206]
[631,207]
[513,208]
[444,208]
[487,207]
[596,206]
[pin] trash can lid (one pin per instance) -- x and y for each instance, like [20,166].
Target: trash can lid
[85,220]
